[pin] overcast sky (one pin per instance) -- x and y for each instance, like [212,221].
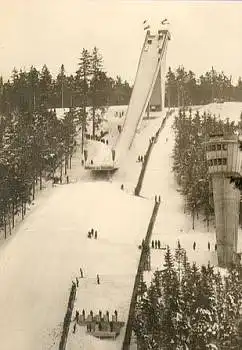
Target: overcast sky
[34,32]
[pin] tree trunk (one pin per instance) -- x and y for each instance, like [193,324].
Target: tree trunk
[83,127]
[5,226]
[193,219]
[93,121]
[65,165]
[40,180]
[22,209]
[33,190]
[9,224]
[82,143]
[70,160]
[61,168]
[208,224]
[13,216]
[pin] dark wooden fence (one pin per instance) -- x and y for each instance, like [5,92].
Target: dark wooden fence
[146,243]
[67,319]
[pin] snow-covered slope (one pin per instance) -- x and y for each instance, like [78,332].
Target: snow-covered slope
[39,262]
[37,266]
[231,110]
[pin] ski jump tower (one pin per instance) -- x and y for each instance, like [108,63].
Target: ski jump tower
[149,88]
[224,161]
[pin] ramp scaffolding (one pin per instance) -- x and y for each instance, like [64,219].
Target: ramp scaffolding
[149,85]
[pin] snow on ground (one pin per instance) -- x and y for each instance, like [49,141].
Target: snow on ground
[231,110]
[39,262]
[37,266]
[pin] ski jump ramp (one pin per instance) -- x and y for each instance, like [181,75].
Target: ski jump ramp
[149,85]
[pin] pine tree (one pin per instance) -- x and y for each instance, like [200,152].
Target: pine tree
[98,83]
[60,85]
[33,82]
[83,76]
[45,84]
[170,296]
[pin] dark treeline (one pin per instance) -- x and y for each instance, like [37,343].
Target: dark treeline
[192,129]
[90,82]
[184,88]
[189,307]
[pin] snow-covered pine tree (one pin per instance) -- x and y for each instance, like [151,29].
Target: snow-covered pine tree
[171,301]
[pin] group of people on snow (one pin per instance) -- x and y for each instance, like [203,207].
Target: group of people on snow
[119,114]
[141,159]
[102,320]
[156,244]
[157,199]
[152,139]
[76,285]
[92,234]
[209,246]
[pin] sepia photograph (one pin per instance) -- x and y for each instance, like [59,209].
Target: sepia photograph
[120,175]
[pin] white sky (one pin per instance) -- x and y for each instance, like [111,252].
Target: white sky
[55,31]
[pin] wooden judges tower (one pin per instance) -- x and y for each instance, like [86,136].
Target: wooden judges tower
[224,161]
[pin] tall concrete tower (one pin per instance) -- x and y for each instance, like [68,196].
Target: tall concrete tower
[224,161]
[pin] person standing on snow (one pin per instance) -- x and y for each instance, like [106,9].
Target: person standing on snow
[194,245]
[98,279]
[77,316]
